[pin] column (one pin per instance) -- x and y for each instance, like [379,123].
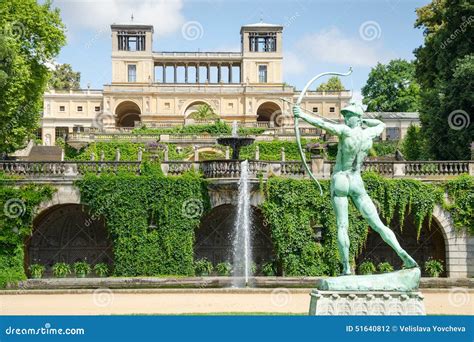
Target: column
[164,73]
[175,72]
[230,73]
[197,73]
[208,67]
[219,73]
[185,73]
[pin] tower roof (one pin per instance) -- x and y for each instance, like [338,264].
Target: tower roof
[261,26]
[132,25]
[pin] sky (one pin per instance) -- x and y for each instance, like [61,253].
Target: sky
[318,35]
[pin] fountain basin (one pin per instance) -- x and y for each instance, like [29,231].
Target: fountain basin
[236,143]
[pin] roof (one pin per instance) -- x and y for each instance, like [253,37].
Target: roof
[393,115]
[132,25]
[261,25]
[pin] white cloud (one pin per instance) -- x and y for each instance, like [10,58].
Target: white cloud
[293,64]
[166,16]
[331,46]
[357,98]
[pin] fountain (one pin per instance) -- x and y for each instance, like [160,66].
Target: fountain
[242,251]
[235,142]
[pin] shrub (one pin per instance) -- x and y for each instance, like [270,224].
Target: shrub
[203,267]
[434,267]
[36,270]
[224,268]
[61,270]
[384,267]
[268,269]
[367,267]
[81,268]
[101,269]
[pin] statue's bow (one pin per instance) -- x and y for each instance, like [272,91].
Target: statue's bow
[297,130]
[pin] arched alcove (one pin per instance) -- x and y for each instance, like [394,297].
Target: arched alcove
[68,233]
[127,113]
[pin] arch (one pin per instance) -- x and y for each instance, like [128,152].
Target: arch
[272,113]
[431,244]
[211,153]
[126,113]
[193,105]
[68,233]
[214,236]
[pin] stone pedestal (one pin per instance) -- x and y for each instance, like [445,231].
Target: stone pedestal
[362,303]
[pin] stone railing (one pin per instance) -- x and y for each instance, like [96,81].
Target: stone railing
[118,136]
[423,170]
[46,169]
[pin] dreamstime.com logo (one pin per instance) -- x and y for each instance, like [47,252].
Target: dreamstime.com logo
[14,208]
[192,30]
[47,329]
[459,297]
[280,297]
[458,119]
[370,30]
[192,208]
[103,297]
[14,30]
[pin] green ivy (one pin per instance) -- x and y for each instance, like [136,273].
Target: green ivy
[294,209]
[151,220]
[271,150]
[461,195]
[18,208]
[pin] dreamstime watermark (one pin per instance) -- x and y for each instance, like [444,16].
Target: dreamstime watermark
[280,297]
[192,30]
[281,118]
[459,119]
[14,208]
[101,120]
[370,30]
[14,30]
[462,28]
[103,297]
[192,208]
[459,296]
[290,20]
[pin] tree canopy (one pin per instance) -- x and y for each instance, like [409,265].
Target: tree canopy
[64,78]
[445,72]
[31,35]
[333,84]
[392,88]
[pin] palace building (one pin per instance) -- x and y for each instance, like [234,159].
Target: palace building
[162,88]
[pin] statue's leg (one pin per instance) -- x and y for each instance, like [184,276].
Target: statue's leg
[339,191]
[367,208]
[340,205]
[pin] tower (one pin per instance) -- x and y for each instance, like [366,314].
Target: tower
[262,53]
[132,53]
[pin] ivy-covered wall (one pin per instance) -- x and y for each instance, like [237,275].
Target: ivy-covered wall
[151,220]
[294,209]
[17,211]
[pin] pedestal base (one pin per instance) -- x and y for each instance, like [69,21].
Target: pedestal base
[363,303]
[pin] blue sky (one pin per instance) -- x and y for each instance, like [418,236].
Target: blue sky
[318,35]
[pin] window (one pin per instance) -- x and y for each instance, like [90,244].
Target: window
[97,108]
[62,108]
[262,41]
[79,108]
[262,73]
[131,41]
[78,129]
[132,73]
[393,133]
[315,109]
[167,105]
[332,109]
[230,105]
[61,132]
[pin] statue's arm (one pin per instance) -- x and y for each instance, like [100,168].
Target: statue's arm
[327,126]
[375,127]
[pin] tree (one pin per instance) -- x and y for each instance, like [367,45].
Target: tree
[392,88]
[31,35]
[64,78]
[333,84]
[203,112]
[445,72]
[412,143]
